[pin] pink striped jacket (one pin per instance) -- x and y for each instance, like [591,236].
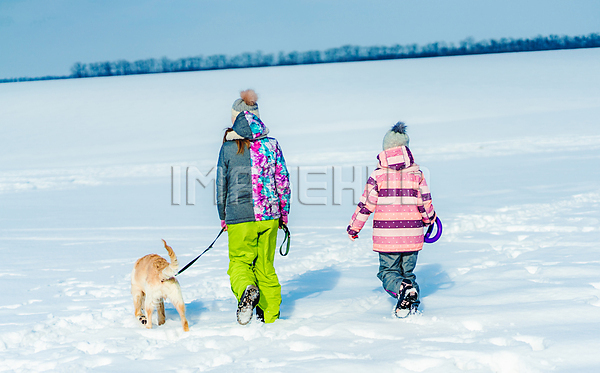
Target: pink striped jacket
[399,196]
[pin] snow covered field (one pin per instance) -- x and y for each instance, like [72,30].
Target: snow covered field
[512,146]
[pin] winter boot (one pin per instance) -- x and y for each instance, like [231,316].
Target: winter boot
[248,301]
[260,315]
[414,309]
[411,297]
[406,296]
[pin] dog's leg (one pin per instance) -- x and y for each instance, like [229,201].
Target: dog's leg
[143,319]
[138,299]
[160,309]
[181,310]
[148,308]
[177,300]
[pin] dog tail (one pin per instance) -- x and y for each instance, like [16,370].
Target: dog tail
[171,270]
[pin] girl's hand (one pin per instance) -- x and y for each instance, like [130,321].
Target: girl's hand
[223,225]
[352,234]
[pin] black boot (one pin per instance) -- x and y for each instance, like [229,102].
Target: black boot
[248,301]
[406,296]
[260,315]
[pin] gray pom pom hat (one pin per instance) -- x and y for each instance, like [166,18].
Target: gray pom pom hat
[239,106]
[396,137]
[246,118]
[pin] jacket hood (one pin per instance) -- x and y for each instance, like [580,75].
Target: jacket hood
[397,158]
[247,126]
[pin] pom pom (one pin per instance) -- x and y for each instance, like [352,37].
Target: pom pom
[399,127]
[396,136]
[249,96]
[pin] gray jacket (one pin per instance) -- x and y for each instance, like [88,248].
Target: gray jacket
[253,185]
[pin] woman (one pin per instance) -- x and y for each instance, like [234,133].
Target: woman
[253,199]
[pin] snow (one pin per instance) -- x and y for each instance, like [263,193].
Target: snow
[511,146]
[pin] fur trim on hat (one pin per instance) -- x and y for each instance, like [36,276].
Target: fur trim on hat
[396,136]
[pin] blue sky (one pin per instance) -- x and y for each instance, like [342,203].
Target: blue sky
[45,37]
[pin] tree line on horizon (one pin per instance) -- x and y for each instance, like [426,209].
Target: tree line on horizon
[347,53]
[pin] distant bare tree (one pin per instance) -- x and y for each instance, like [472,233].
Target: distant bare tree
[343,54]
[79,70]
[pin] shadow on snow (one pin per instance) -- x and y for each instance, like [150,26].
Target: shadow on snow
[431,278]
[308,284]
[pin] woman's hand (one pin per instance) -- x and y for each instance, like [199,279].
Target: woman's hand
[283,220]
[223,225]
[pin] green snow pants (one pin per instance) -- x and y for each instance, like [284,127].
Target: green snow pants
[251,254]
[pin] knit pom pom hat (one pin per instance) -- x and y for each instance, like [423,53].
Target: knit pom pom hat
[246,102]
[396,137]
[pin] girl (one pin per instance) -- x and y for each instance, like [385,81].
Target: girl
[398,195]
[253,199]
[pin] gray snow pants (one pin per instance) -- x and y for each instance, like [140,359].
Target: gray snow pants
[395,267]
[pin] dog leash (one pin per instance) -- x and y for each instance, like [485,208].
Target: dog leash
[208,248]
[287,238]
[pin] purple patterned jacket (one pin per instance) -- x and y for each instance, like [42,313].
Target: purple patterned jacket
[253,185]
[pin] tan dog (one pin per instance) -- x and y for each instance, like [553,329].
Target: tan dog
[153,280]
